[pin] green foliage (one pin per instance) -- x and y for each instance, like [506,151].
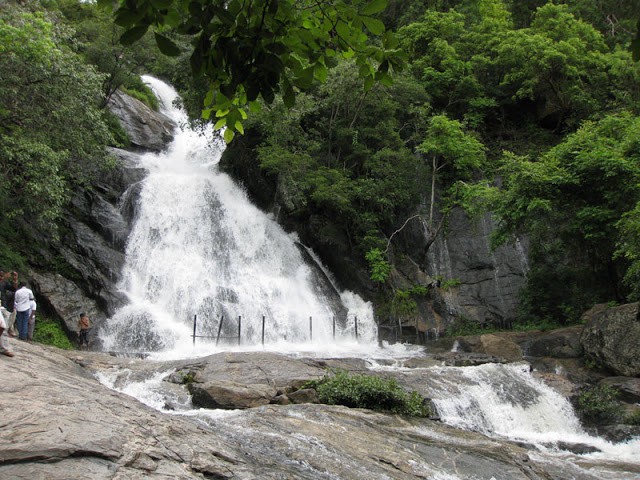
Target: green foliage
[51,332]
[450,283]
[145,95]
[263,48]
[364,188]
[120,136]
[632,418]
[45,148]
[462,326]
[598,404]
[378,265]
[372,392]
[96,39]
[188,378]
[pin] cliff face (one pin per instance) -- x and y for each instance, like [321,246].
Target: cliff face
[90,253]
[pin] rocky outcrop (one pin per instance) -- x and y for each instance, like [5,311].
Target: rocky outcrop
[59,422]
[611,338]
[65,300]
[90,254]
[485,283]
[147,129]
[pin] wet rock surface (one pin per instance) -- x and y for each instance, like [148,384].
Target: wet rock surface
[59,422]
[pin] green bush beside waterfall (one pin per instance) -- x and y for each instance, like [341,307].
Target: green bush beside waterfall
[372,392]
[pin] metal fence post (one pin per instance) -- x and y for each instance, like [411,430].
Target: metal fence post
[219,329]
[195,322]
[334,327]
[356,327]
[239,327]
[262,330]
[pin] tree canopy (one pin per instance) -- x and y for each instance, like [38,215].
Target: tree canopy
[259,48]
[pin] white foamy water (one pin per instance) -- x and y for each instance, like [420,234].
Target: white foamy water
[199,249]
[508,401]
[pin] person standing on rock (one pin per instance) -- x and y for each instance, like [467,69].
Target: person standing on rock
[84,325]
[3,292]
[10,288]
[23,299]
[32,321]
[4,334]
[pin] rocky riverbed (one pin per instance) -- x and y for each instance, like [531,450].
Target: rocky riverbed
[60,422]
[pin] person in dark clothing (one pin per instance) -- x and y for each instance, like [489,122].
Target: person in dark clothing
[10,287]
[3,293]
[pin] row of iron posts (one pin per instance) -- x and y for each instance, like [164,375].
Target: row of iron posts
[195,326]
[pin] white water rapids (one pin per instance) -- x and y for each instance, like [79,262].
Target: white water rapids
[200,248]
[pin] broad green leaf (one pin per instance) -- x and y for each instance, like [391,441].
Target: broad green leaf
[321,72]
[375,6]
[125,17]
[133,35]
[374,25]
[348,53]
[343,30]
[228,135]
[208,99]
[167,46]
[206,113]
[220,123]
[172,19]
[238,126]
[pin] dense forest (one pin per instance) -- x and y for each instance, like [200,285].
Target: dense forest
[526,109]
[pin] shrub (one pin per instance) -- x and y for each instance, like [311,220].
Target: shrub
[598,404]
[50,332]
[632,418]
[143,93]
[366,391]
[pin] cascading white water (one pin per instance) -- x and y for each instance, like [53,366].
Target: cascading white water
[501,399]
[200,248]
[509,402]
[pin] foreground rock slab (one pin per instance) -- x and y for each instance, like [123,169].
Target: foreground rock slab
[58,422]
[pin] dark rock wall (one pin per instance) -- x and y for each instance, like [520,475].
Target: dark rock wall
[485,283]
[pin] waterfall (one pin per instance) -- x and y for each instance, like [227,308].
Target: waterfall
[199,248]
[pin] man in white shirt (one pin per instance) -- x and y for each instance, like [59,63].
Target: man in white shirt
[4,340]
[22,306]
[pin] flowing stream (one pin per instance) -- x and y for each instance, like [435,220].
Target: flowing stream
[200,249]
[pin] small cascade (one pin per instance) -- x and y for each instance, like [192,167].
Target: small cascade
[503,400]
[200,250]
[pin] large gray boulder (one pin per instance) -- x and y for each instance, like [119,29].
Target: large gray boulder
[147,129]
[611,338]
